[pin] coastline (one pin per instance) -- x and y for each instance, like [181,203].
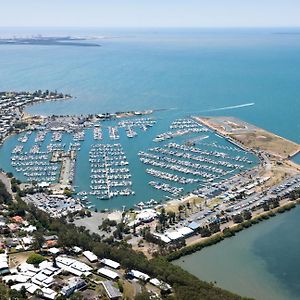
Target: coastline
[230,231]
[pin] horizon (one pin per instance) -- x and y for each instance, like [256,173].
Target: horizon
[143,14]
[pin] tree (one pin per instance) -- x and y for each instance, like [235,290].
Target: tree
[35,259]
[4,292]
[247,214]
[39,240]
[237,218]
[18,295]
[38,293]
[205,232]
[162,218]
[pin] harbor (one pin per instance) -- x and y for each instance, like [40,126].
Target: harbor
[125,160]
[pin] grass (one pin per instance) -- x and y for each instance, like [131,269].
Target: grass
[128,292]
[19,258]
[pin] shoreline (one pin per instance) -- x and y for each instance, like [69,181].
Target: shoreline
[230,231]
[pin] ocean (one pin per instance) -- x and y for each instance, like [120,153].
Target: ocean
[252,74]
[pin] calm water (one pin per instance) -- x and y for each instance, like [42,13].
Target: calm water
[261,262]
[192,71]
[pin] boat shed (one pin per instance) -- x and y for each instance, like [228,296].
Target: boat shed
[108,273]
[139,275]
[112,292]
[110,263]
[90,256]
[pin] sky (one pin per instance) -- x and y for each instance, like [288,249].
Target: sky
[150,13]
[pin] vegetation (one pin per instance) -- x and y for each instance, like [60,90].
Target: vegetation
[186,286]
[35,259]
[5,197]
[228,232]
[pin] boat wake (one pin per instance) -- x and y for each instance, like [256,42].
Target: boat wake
[229,107]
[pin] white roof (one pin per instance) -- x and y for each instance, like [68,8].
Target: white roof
[90,256]
[110,263]
[54,250]
[160,284]
[30,267]
[3,257]
[40,277]
[48,293]
[108,273]
[185,231]
[32,288]
[173,235]
[162,237]
[146,214]
[27,240]
[73,266]
[155,282]
[140,275]
[76,249]
[3,265]
[17,278]
[19,286]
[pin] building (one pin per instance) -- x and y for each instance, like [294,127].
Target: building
[112,292]
[73,266]
[108,273]
[90,256]
[75,284]
[160,284]
[110,263]
[138,275]
[4,268]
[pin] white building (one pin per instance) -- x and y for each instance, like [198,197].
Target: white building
[110,263]
[90,256]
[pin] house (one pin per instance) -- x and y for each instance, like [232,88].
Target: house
[13,227]
[112,292]
[27,241]
[17,219]
[29,229]
[50,241]
[11,242]
[90,256]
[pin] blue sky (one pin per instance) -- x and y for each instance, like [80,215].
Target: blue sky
[150,13]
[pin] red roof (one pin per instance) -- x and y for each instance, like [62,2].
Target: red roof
[17,219]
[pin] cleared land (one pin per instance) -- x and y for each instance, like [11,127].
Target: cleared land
[252,137]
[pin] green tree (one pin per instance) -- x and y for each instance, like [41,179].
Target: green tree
[35,259]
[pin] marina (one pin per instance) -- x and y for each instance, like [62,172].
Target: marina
[110,175]
[55,153]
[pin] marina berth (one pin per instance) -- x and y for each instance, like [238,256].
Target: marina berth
[109,177]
